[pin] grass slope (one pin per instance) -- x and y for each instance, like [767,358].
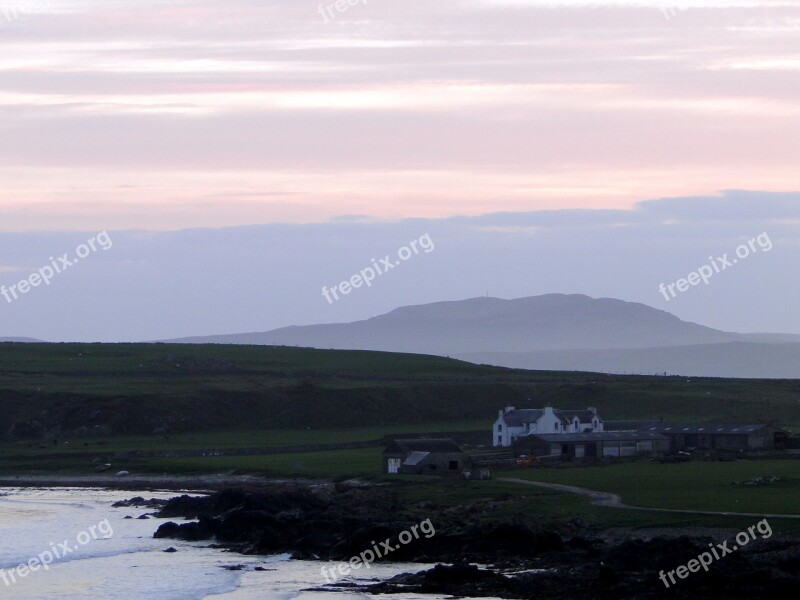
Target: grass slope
[711,486]
[139,389]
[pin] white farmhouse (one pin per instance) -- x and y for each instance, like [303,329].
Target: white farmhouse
[512,424]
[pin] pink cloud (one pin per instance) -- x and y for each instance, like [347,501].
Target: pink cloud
[395,110]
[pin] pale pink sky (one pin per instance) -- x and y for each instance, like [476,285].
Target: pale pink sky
[166,115]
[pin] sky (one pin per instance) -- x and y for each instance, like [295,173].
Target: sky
[243,154]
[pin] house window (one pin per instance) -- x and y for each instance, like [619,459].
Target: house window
[499,439]
[499,428]
[453,465]
[556,426]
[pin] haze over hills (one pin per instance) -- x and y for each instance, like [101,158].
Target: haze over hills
[731,359]
[554,331]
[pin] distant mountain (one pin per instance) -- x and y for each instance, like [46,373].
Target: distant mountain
[21,340]
[550,322]
[554,331]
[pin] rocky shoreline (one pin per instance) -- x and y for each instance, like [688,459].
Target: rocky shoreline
[519,558]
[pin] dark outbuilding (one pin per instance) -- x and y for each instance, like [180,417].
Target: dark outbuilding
[593,445]
[425,456]
[723,437]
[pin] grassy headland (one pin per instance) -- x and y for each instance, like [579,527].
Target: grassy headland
[62,390]
[278,411]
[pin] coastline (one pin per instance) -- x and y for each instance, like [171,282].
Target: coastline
[328,523]
[516,552]
[195,483]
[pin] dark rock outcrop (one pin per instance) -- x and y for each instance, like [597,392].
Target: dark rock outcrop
[526,560]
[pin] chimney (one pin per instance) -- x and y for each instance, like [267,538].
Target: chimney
[548,410]
[593,410]
[500,413]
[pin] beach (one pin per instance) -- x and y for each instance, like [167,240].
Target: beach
[130,563]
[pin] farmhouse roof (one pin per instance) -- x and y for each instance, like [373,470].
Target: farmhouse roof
[584,416]
[515,418]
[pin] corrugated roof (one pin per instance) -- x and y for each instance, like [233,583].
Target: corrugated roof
[740,429]
[415,458]
[632,425]
[602,436]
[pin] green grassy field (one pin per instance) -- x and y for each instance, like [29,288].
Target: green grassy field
[139,389]
[105,390]
[366,462]
[692,485]
[551,509]
[228,440]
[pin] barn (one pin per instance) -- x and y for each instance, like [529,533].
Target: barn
[593,445]
[723,437]
[424,456]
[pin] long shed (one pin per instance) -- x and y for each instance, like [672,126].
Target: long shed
[593,445]
[723,436]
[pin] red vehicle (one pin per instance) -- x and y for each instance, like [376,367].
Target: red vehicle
[527,460]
